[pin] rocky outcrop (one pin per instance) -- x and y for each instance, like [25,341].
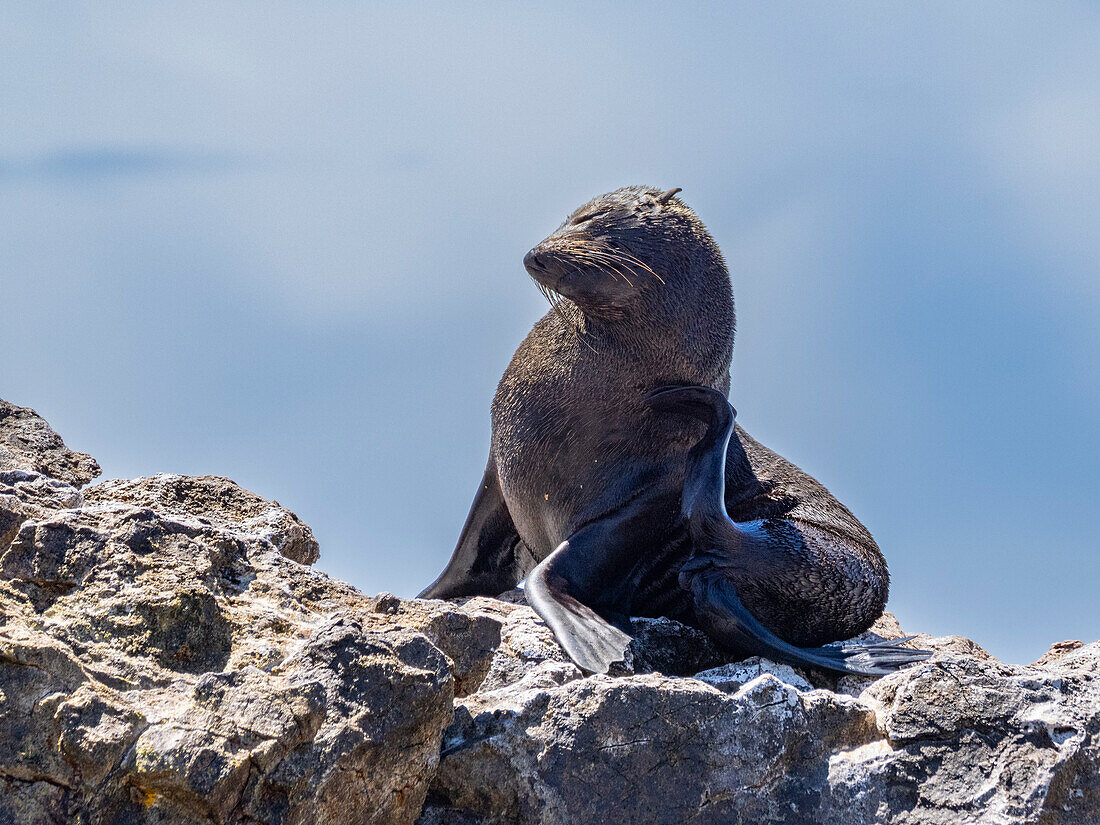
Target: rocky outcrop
[216,502]
[957,739]
[168,656]
[165,656]
[28,443]
[38,473]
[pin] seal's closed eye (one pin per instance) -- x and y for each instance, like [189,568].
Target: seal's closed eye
[587,216]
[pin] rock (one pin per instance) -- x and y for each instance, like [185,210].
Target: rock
[731,677]
[217,502]
[1085,658]
[338,732]
[25,495]
[951,644]
[887,627]
[527,658]
[470,637]
[28,443]
[1057,651]
[960,739]
[168,656]
[646,748]
[163,660]
[754,741]
[977,740]
[664,646]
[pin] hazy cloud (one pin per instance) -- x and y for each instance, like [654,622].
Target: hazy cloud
[105,162]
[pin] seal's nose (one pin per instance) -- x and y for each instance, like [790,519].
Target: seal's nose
[532,263]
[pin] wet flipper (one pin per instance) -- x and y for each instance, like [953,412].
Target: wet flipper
[724,617]
[585,587]
[705,484]
[590,641]
[486,560]
[709,574]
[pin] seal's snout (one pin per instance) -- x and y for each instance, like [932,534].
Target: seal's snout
[541,266]
[534,263]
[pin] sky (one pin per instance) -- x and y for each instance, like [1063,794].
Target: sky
[283,243]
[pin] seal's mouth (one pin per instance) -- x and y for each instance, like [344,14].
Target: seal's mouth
[545,270]
[550,271]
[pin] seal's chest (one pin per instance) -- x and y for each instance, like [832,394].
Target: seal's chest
[552,450]
[554,462]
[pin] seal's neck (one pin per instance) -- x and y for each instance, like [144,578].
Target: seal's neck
[681,331]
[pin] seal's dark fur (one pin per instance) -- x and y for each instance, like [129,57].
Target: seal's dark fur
[643,301]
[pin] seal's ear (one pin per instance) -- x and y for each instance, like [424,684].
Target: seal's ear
[665,197]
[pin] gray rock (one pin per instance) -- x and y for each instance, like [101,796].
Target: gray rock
[975,740]
[528,656]
[731,677]
[165,663]
[666,646]
[217,502]
[469,634]
[27,495]
[168,656]
[646,748]
[28,443]
[1058,650]
[339,732]
[959,739]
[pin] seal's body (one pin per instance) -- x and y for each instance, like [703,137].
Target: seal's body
[617,483]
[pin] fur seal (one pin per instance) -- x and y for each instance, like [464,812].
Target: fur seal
[618,483]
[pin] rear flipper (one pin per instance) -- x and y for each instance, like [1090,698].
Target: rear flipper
[719,543]
[719,610]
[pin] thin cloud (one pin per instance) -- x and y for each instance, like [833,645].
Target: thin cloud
[106,162]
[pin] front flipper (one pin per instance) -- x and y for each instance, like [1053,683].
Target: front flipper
[591,642]
[589,580]
[725,618]
[485,561]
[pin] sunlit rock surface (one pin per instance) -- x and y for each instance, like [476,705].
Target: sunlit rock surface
[168,656]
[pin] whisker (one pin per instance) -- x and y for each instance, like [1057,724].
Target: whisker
[619,257]
[555,301]
[604,261]
[600,261]
[592,261]
[625,256]
[642,264]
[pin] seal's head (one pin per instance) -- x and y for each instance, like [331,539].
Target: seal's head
[628,253]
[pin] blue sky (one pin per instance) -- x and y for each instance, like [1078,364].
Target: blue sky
[283,244]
